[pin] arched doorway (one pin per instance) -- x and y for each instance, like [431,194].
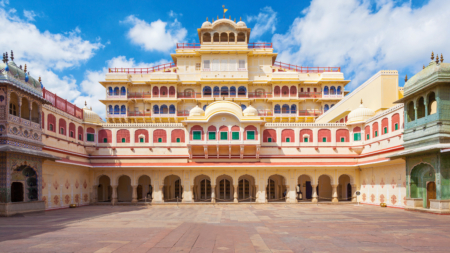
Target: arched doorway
[344,189]
[202,188]
[324,189]
[276,188]
[16,192]
[225,189]
[431,192]
[144,189]
[173,189]
[421,177]
[104,190]
[124,189]
[246,188]
[304,185]
[25,185]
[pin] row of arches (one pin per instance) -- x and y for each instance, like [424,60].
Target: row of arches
[332,90]
[223,133]
[224,37]
[116,91]
[224,91]
[306,135]
[63,129]
[225,189]
[373,130]
[23,108]
[163,91]
[141,136]
[422,107]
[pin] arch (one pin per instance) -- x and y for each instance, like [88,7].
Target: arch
[206,37]
[177,136]
[155,109]
[172,109]
[90,134]
[395,122]
[189,93]
[123,91]
[104,189]
[163,91]
[223,37]
[224,91]
[80,133]
[123,136]
[110,91]
[269,135]
[344,188]
[242,91]
[155,91]
[432,103]
[172,91]
[325,90]
[24,185]
[331,106]
[367,132]
[277,109]
[124,189]
[173,188]
[62,126]
[14,104]
[241,37]
[141,136]
[206,91]
[276,189]
[304,187]
[25,109]
[123,110]
[231,37]
[326,108]
[306,135]
[339,92]
[104,136]
[293,109]
[276,91]
[224,188]
[212,130]
[357,134]
[116,109]
[196,133]
[204,107]
[249,136]
[34,112]
[202,188]
[233,91]
[144,189]
[285,109]
[216,37]
[342,135]
[163,109]
[375,132]
[332,90]
[110,109]
[216,91]
[293,91]
[421,174]
[246,190]
[411,115]
[72,130]
[116,91]
[159,136]
[243,107]
[285,91]
[421,108]
[385,126]
[324,135]
[287,135]
[324,187]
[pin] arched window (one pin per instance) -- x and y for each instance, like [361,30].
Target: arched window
[276,91]
[141,136]
[367,132]
[339,90]
[164,109]
[421,108]
[241,37]
[332,90]
[155,109]
[384,126]
[216,91]
[231,37]
[110,91]
[324,135]
[212,130]
[123,136]
[223,37]
[80,133]
[196,133]
[342,135]
[269,135]
[395,121]
[411,112]
[325,90]
[206,91]
[285,91]
[110,109]
[243,107]
[432,104]
[177,136]
[285,109]
[306,135]
[331,106]
[159,136]
[326,108]
[356,134]
[293,109]
[233,91]
[116,109]
[224,91]
[204,107]
[163,91]
[242,91]
[293,91]
[172,91]
[123,109]
[287,135]
[250,133]
[72,130]
[123,91]
[216,37]
[116,91]
[375,132]
[206,37]
[155,91]
[51,122]
[277,109]
[90,133]
[25,109]
[62,127]
[104,136]
[172,109]
[223,133]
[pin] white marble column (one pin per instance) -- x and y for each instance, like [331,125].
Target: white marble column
[236,194]
[334,194]
[134,194]
[314,194]
[213,194]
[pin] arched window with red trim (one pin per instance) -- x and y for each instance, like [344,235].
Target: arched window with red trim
[72,132]
[251,133]
[141,136]
[196,133]
[285,91]
[306,135]
[223,133]
[155,91]
[172,91]
[276,91]
[159,136]
[287,135]
[385,126]
[342,135]
[51,123]
[80,133]
[178,136]
[293,91]
[395,122]
[375,132]
[235,133]
[123,136]
[357,134]
[324,135]
[269,135]
[62,127]
[212,132]
[163,91]
[104,135]
[367,132]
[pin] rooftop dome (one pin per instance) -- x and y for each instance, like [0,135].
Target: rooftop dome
[206,24]
[360,115]
[250,111]
[90,116]
[241,24]
[196,111]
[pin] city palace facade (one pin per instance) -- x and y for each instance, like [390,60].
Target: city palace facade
[225,122]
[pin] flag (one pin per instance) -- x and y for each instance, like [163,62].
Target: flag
[225,10]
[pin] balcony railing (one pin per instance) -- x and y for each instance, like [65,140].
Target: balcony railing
[62,104]
[219,95]
[306,69]
[334,95]
[265,113]
[310,94]
[259,94]
[314,113]
[117,115]
[139,114]
[189,95]
[183,113]
[162,67]
[188,45]
[115,95]
[262,45]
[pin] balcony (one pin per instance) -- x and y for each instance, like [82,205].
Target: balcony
[63,104]
[188,45]
[254,45]
[259,45]
[310,113]
[333,95]
[117,115]
[301,69]
[310,94]
[189,95]
[260,95]
[183,113]
[139,114]
[226,95]
[265,113]
[149,95]
[162,67]
[116,96]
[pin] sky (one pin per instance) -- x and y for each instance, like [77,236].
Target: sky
[71,44]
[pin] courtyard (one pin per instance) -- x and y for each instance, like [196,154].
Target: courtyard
[226,228]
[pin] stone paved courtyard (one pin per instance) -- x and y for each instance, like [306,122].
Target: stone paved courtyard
[226,228]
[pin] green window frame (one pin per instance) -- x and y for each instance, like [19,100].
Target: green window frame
[235,135]
[79,137]
[61,130]
[357,136]
[223,136]
[305,139]
[159,139]
[269,139]
[324,139]
[105,140]
[141,139]
[368,136]
[197,135]
[123,140]
[50,127]
[250,135]
[90,137]
[342,139]
[385,130]
[396,126]
[212,135]
[376,133]
[288,139]
[178,140]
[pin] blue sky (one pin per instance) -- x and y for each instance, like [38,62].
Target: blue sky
[71,44]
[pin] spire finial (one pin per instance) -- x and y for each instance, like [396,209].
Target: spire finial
[423,67]
[406,78]
[40,80]
[213,20]
[361,100]
[85,103]
[206,18]
[437,59]
[6,57]
[442,58]
[432,55]
[234,20]
[25,69]
[12,56]
[217,17]
[240,18]
[3,58]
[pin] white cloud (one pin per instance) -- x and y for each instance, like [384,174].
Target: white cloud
[350,34]
[3,3]
[265,22]
[94,91]
[29,15]
[158,35]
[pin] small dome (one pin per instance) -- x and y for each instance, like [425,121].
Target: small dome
[206,24]
[241,24]
[90,116]
[196,111]
[250,111]
[360,115]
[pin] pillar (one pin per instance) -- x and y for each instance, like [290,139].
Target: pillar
[134,194]
[236,194]
[354,197]
[314,194]
[291,196]
[213,194]
[187,194]
[114,194]
[94,198]
[334,195]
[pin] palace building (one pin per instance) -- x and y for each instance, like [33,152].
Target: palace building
[226,122]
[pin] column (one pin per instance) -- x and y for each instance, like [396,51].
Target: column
[19,112]
[236,194]
[134,194]
[291,192]
[114,194]
[94,198]
[213,194]
[30,109]
[314,194]
[354,197]
[187,194]
[334,195]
